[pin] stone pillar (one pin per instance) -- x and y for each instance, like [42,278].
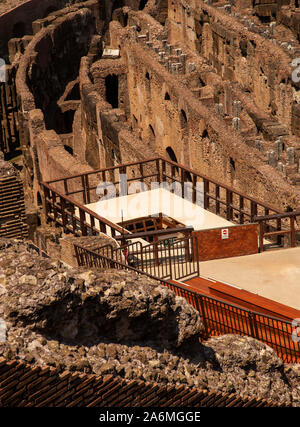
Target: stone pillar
[237,108]
[219,109]
[191,67]
[164,44]
[259,145]
[290,156]
[174,68]
[236,123]
[134,31]
[272,27]
[161,56]
[183,58]
[278,148]
[272,160]
[170,49]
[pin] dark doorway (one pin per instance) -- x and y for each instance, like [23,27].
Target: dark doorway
[112,90]
[183,118]
[39,199]
[172,155]
[143,4]
[68,149]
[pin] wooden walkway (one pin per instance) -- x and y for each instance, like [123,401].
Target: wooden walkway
[226,309]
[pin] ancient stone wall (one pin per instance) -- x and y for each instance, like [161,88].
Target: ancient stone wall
[40,84]
[16,19]
[169,115]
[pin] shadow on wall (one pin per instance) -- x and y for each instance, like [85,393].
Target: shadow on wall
[19,30]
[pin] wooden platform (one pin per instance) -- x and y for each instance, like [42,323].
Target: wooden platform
[242,298]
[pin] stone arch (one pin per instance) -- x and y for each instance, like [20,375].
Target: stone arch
[171,154]
[39,199]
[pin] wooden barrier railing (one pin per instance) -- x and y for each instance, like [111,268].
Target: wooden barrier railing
[276,227]
[218,317]
[117,180]
[167,259]
[75,218]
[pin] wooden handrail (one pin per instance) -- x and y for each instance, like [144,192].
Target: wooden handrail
[163,173]
[156,233]
[88,211]
[277,216]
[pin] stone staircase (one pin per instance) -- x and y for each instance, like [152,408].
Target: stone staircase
[12,208]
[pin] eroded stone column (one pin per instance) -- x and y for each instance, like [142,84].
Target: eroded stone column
[272,159]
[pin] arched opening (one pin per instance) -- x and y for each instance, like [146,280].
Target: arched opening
[135,121]
[172,155]
[296,3]
[147,76]
[204,134]
[68,149]
[183,123]
[124,20]
[232,163]
[39,199]
[152,130]
[112,90]
[143,4]
[151,136]
[167,97]
[183,119]
[19,30]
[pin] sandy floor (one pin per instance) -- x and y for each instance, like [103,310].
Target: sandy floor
[272,274]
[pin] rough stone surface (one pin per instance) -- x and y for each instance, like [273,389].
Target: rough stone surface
[115,322]
[88,306]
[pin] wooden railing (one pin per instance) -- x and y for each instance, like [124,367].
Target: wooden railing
[218,317]
[276,227]
[76,218]
[83,189]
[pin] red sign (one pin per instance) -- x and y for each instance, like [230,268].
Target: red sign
[225,233]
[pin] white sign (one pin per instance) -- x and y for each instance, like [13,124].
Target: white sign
[111,53]
[225,233]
